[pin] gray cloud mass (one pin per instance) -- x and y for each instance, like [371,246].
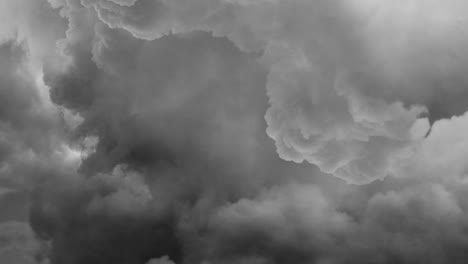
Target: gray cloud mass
[233,132]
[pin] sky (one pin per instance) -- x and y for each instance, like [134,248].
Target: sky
[233,131]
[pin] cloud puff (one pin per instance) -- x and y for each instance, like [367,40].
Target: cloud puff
[163,260]
[328,123]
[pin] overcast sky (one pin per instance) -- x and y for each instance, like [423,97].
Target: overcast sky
[233,131]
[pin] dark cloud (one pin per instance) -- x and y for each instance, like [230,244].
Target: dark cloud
[18,244]
[14,206]
[157,144]
[109,218]
[184,112]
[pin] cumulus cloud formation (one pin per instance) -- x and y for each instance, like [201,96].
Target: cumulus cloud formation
[233,131]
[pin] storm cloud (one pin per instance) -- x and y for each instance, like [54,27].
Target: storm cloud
[233,131]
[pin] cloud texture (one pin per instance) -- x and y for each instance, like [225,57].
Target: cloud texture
[233,131]
[347,85]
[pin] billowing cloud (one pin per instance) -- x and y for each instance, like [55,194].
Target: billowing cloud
[418,217]
[185,114]
[209,131]
[342,96]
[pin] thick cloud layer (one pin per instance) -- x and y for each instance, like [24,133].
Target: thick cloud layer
[171,126]
[347,95]
[31,135]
